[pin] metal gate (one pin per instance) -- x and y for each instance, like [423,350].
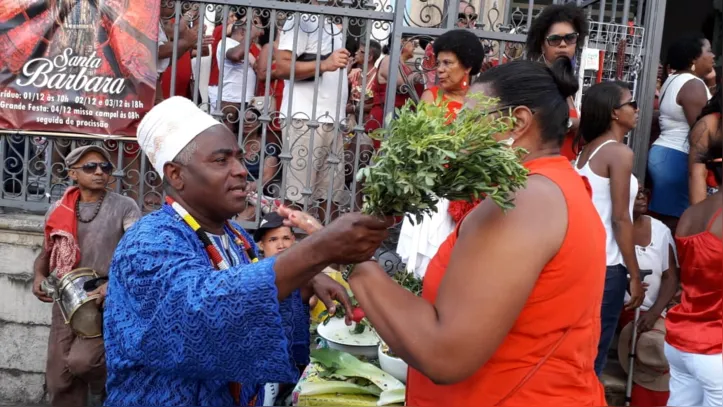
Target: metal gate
[306,149]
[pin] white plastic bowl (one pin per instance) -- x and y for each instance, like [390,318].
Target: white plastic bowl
[394,366]
[337,335]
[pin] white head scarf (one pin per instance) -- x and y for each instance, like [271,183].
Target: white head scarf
[169,127]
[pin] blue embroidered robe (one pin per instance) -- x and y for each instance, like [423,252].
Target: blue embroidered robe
[177,330]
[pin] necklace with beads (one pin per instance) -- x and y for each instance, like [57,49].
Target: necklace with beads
[213,252]
[95,213]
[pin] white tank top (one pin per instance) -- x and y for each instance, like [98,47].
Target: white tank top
[602,199]
[674,127]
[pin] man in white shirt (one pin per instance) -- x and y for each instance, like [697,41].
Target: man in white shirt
[187,40]
[314,100]
[239,84]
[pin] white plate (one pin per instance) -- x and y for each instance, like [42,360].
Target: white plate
[341,337]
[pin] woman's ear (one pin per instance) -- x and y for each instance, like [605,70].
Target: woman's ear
[523,121]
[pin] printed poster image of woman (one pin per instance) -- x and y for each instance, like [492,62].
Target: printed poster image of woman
[121,33]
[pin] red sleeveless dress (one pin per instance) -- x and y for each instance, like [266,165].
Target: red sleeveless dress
[547,358]
[696,324]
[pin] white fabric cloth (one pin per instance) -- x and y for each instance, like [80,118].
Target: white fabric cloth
[602,199]
[162,64]
[674,127]
[654,257]
[169,127]
[419,243]
[233,76]
[695,380]
[213,97]
[329,106]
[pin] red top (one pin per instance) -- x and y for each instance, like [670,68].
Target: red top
[276,89]
[453,106]
[547,358]
[184,74]
[567,149]
[710,179]
[213,76]
[376,114]
[695,325]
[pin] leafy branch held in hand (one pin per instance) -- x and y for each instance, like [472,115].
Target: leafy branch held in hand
[424,157]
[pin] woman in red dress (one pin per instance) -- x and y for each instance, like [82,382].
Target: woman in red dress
[694,328]
[510,313]
[459,56]
[559,31]
[402,94]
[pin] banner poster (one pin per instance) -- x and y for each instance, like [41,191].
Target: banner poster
[79,66]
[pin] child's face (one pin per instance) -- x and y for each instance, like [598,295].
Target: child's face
[277,240]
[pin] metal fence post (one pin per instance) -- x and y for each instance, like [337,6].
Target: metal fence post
[654,20]
[394,53]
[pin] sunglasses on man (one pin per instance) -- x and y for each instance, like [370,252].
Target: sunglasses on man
[90,168]
[467,17]
[555,40]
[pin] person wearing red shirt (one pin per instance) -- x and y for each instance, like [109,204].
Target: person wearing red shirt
[694,340]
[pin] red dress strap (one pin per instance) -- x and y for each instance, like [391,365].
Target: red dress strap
[435,92]
[712,219]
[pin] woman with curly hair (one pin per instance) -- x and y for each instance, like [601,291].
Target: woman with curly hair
[559,31]
[459,56]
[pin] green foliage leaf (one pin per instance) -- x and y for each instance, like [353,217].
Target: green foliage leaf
[425,157]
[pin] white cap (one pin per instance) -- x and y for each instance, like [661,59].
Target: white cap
[169,127]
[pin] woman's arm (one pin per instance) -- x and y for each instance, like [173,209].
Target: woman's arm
[622,222]
[698,139]
[495,253]
[668,284]
[668,287]
[692,98]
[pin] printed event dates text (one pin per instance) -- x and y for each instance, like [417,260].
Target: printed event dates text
[60,109]
[82,100]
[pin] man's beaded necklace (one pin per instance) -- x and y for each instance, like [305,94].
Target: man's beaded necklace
[213,252]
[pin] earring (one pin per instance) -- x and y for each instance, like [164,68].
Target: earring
[615,118]
[692,68]
[465,82]
[508,142]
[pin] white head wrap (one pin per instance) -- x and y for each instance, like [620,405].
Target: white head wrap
[169,127]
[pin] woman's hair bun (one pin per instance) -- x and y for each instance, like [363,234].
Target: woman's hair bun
[564,76]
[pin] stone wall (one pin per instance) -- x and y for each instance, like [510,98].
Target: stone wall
[24,321]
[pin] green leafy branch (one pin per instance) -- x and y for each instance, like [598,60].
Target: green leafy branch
[424,156]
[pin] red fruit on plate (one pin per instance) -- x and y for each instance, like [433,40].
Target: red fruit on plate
[357,315]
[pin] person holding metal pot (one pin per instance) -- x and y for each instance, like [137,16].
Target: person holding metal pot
[81,232]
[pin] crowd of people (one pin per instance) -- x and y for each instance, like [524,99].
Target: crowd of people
[197,311]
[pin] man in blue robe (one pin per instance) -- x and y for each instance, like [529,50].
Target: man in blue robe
[190,312]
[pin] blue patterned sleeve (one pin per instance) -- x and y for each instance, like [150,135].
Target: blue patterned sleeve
[168,310]
[295,318]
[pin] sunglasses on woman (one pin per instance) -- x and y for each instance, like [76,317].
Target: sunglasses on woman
[90,168]
[632,103]
[555,40]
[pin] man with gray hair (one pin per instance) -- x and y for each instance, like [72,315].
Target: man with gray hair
[191,311]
